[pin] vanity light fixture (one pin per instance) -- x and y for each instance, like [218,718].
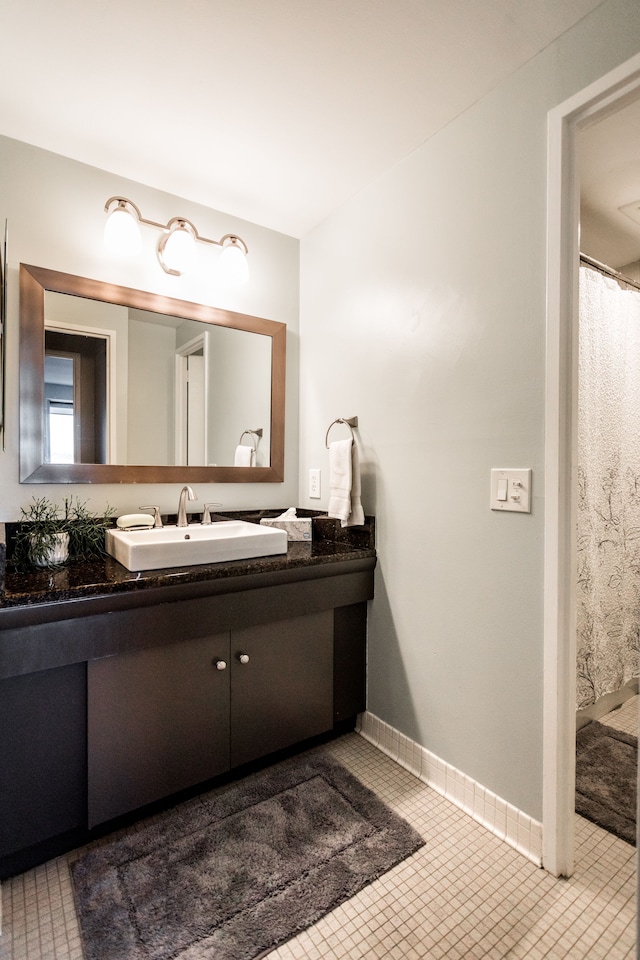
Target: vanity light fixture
[121,231]
[176,249]
[176,246]
[233,259]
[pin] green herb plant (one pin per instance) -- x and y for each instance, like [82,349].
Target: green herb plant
[42,520]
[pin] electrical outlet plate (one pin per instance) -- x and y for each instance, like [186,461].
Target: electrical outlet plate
[511,490]
[314,484]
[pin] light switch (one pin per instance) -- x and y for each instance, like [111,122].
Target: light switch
[511,490]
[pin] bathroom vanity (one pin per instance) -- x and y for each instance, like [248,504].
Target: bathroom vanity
[119,689]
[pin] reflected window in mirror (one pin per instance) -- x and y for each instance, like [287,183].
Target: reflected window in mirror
[58,409]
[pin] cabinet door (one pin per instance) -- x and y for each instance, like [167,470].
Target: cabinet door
[158,723]
[42,756]
[349,661]
[283,693]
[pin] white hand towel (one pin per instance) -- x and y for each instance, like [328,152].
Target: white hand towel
[340,479]
[356,515]
[344,483]
[245,456]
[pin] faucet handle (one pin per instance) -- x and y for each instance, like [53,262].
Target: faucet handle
[206,516]
[157,519]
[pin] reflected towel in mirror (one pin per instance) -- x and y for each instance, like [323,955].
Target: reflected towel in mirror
[245,456]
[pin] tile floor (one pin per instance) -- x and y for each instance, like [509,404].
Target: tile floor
[624,717]
[464,894]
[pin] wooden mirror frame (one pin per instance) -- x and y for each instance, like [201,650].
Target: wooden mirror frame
[34,281]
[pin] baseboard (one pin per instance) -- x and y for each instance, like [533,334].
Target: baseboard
[607,703]
[502,819]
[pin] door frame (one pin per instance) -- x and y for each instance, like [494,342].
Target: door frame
[198,344]
[600,98]
[109,336]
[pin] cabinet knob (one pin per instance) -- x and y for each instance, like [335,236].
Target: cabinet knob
[243,657]
[220,664]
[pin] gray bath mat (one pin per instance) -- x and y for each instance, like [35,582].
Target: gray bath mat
[606,778]
[240,870]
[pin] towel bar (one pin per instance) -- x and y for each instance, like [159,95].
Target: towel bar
[254,433]
[351,422]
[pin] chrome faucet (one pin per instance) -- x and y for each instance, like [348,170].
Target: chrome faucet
[182,505]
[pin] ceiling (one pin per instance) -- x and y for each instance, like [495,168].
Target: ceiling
[276,112]
[609,157]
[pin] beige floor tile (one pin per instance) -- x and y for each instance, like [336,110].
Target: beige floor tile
[465,894]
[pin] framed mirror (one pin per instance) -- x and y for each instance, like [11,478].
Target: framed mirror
[123,386]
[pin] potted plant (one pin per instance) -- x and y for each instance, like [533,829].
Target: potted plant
[49,535]
[86,530]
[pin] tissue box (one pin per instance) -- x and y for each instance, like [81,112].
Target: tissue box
[299,528]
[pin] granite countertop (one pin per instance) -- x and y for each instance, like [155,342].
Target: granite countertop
[331,543]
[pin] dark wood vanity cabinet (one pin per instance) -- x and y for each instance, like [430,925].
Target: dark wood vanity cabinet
[42,757]
[281,684]
[114,703]
[157,722]
[166,718]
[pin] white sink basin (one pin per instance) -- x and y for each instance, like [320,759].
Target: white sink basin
[183,546]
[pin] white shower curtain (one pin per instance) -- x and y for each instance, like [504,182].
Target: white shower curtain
[609,486]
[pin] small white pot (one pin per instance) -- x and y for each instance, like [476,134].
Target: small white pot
[57,553]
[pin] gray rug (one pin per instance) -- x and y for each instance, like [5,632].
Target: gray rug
[606,778]
[240,870]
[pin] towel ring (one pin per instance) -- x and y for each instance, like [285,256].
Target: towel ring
[253,433]
[351,422]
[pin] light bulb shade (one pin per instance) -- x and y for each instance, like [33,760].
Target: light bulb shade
[176,249]
[121,232]
[233,266]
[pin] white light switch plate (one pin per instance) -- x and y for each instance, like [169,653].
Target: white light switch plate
[518,490]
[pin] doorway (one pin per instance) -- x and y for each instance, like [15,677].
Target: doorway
[590,105]
[192,402]
[75,396]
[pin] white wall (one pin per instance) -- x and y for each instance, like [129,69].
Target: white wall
[150,393]
[240,364]
[423,312]
[55,210]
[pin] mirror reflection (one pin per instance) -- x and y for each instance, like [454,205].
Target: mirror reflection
[123,386]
